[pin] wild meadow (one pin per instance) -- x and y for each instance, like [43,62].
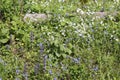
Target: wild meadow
[71,44]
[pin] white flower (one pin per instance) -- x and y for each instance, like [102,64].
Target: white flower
[117,39]
[61,0]
[111,36]
[80,11]
[52,38]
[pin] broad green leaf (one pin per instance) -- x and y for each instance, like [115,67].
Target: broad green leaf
[3,40]
[68,50]
[57,54]
[62,48]
[70,45]
[4,31]
[64,55]
[56,43]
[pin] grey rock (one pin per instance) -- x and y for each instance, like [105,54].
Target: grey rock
[35,17]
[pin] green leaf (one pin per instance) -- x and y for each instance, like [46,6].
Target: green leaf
[62,48]
[3,40]
[1,67]
[57,54]
[70,45]
[68,50]
[64,55]
[56,43]
[14,23]
[4,31]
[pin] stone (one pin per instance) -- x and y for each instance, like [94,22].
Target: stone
[35,17]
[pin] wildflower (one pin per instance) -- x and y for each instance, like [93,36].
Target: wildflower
[55,78]
[95,68]
[31,36]
[36,68]
[41,47]
[117,39]
[76,60]
[81,35]
[61,0]
[1,61]
[25,74]
[17,78]
[50,72]
[105,32]
[17,71]
[45,58]
[8,47]
[11,38]
[81,11]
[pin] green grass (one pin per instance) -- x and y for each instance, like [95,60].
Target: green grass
[67,46]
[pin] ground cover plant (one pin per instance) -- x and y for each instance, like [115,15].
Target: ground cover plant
[66,46]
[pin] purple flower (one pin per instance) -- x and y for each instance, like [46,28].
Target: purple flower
[1,61]
[95,68]
[64,67]
[76,60]
[20,49]
[41,47]
[31,36]
[8,47]
[25,67]
[10,37]
[25,74]
[55,78]
[50,72]
[50,65]
[17,71]
[45,58]
[17,78]
[36,68]
[68,40]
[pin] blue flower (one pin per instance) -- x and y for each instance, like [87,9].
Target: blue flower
[17,71]
[50,72]
[31,36]
[76,60]
[8,47]
[45,58]
[36,68]
[55,78]
[17,78]
[41,47]
[95,68]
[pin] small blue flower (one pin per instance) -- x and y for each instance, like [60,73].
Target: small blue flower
[50,72]
[17,78]
[50,65]
[95,68]
[25,74]
[31,36]
[45,58]
[17,71]
[36,68]
[1,61]
[55,78]
[76,60]
[8,47]
[41,47]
